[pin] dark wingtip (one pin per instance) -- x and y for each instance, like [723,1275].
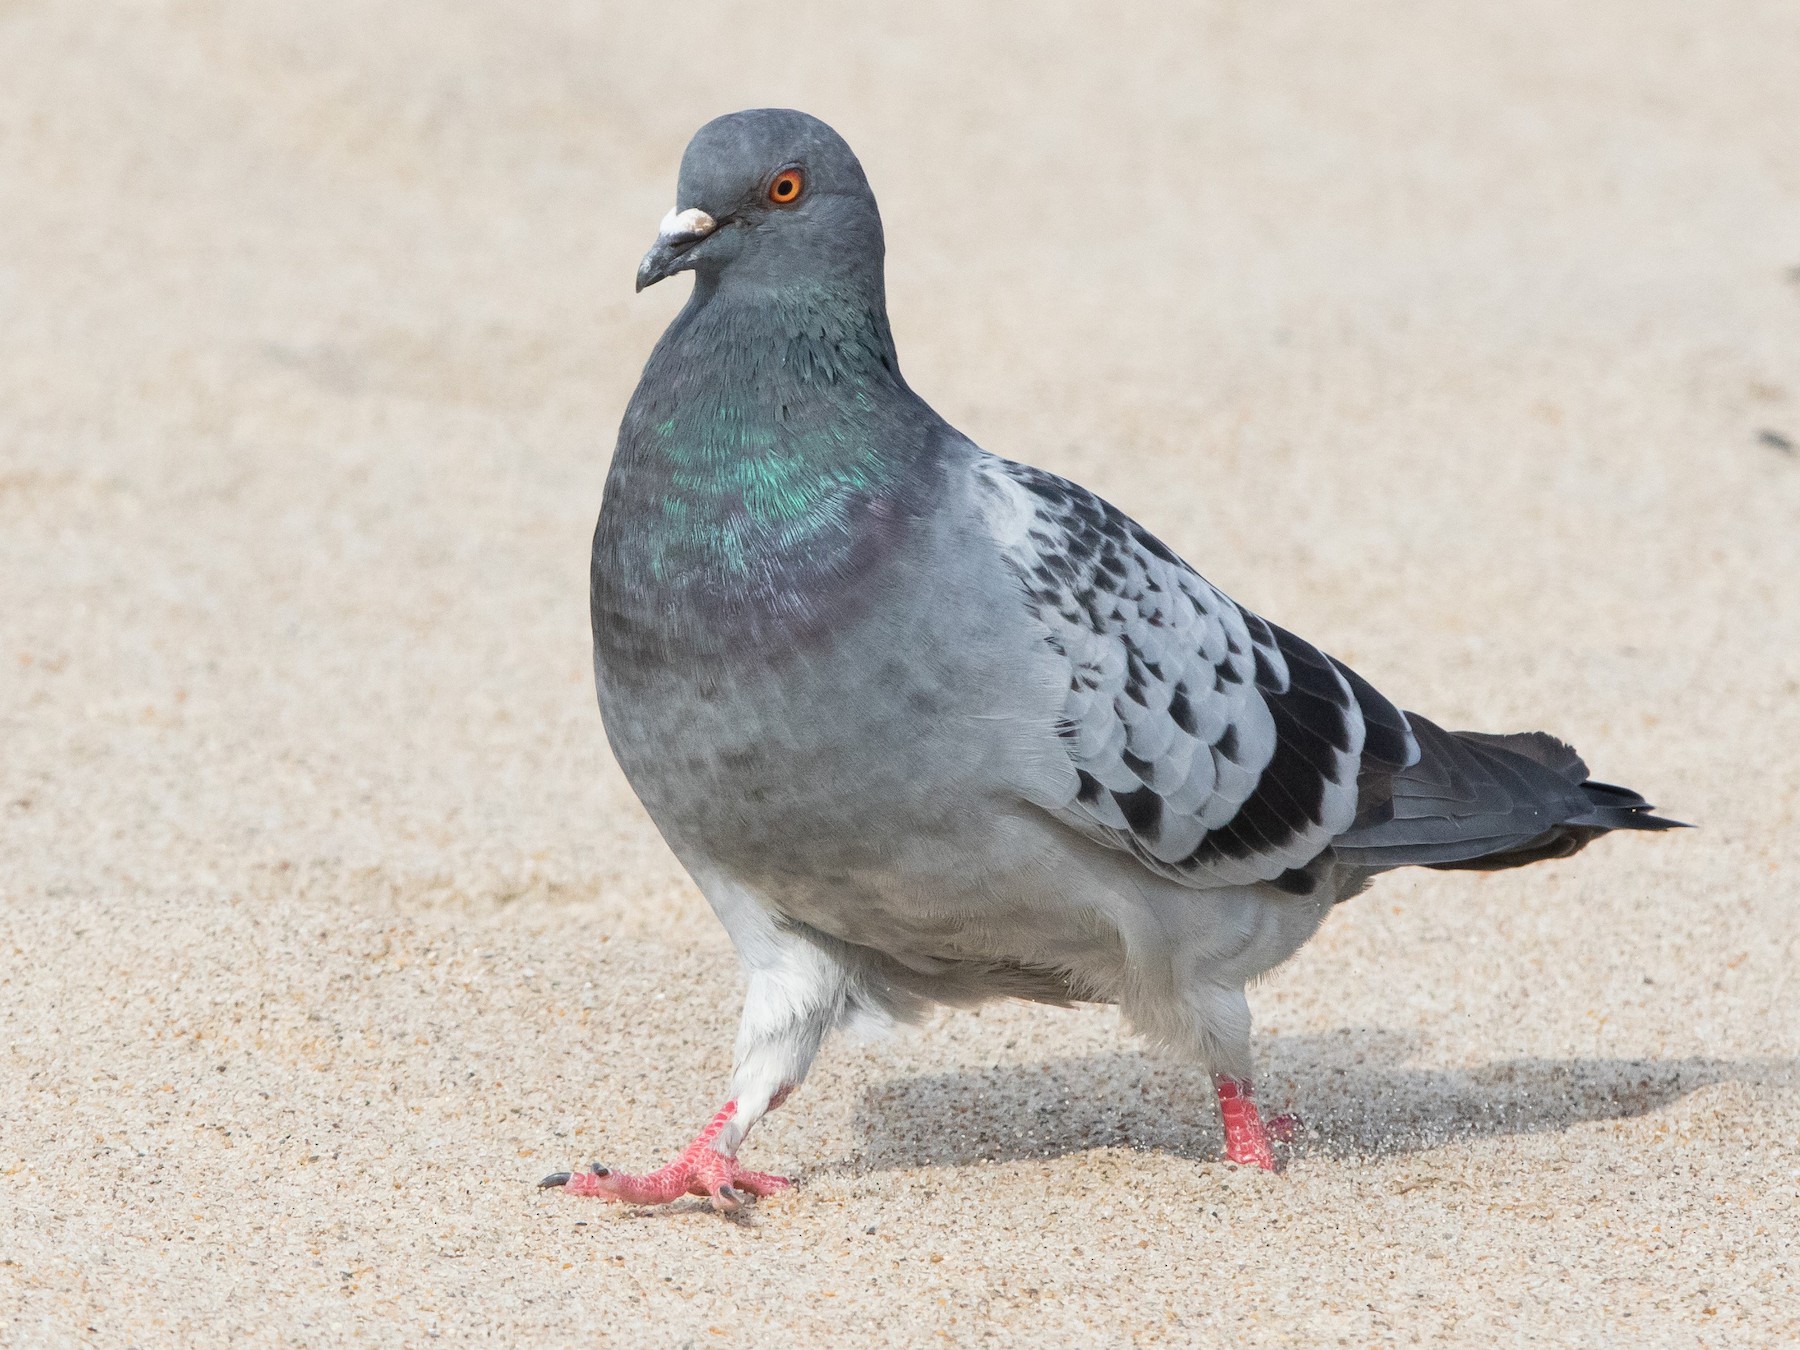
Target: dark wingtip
[1617,808]
[1640,818]
[554,1179]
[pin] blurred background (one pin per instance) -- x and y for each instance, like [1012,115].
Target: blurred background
[1462,339]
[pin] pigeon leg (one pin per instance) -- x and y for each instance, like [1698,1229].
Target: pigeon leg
[699,1170]
[798,992]
[1246,1136]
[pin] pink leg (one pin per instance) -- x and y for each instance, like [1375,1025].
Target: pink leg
[700,1170]
[1246,1138]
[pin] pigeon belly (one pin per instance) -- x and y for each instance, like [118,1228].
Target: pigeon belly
[863,778]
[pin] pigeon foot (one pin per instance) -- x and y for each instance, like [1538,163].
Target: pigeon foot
[699,1170]
[1246,1135]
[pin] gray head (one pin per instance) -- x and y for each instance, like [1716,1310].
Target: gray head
[768,197]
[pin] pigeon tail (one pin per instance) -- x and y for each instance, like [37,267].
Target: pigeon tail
[1482,802]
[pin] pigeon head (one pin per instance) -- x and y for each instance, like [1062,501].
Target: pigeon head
[769,198]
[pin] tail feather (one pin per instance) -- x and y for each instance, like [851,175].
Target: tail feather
[1478,801]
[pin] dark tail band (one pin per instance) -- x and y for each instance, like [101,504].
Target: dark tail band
[1481,802]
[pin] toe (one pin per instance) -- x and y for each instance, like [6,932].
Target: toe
[596,1180]
[760,1183]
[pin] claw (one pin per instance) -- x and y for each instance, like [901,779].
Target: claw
[564,1178]
[727,1199]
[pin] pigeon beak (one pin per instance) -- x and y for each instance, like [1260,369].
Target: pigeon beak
[679,232]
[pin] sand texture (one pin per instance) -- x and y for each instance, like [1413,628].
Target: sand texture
[1462,339]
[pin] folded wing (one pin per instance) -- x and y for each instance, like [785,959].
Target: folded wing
[1213,745]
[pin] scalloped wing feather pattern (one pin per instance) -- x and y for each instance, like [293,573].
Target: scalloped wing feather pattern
[1217,748]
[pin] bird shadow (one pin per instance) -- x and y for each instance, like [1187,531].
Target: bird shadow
[1357,1092]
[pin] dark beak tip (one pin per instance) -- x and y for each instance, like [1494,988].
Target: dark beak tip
[659,263]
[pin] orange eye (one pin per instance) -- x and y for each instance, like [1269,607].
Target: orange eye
[787,187]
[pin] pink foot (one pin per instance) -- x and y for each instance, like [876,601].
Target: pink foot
[1246,1137]
[700,1170]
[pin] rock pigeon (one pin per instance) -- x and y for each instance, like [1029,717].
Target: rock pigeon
[928,726]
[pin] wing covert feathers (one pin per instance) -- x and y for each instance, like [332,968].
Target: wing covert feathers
[1221,750]
[1216,747]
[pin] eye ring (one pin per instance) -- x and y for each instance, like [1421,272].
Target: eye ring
[787,187]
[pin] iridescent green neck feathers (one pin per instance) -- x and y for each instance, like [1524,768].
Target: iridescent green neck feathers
[770,438]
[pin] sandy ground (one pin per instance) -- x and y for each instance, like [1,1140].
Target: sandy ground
[1461,338]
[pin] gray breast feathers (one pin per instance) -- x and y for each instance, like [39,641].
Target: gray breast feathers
[1216,747]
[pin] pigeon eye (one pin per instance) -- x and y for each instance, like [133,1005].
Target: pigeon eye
[787,187]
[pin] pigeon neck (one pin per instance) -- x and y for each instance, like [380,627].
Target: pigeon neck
[821,331]
[770,449]
[771,399]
